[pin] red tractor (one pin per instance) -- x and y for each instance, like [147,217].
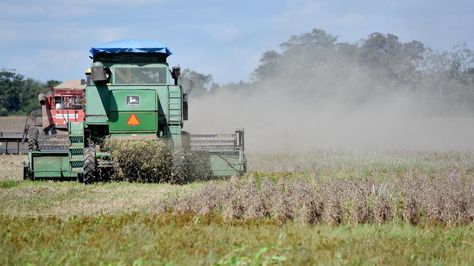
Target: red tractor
[64,103]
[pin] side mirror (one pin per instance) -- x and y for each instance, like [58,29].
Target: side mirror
[176,72]
[99,73]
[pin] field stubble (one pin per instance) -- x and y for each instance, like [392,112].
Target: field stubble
[443,199]
[283,211]
[11,166]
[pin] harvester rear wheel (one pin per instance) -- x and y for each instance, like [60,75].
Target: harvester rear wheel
[26,172]
[80,178]
[33,134]
[90,166]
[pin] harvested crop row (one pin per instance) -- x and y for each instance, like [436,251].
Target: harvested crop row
[155,161]
[141,160]
[418,199]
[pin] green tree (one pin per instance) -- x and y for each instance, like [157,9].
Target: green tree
[391,59]
[17,93]
[52,83]
[317,38]
[199,84]
[301,55]
[319,67]
[268,65]
[10,82]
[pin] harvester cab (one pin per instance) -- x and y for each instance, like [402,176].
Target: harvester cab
[47,130]
[132,95]
[65,103]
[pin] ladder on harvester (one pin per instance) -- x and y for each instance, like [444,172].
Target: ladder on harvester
[76,146]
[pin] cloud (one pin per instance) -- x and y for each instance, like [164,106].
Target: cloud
[220,37]
[224,33]
[43,64]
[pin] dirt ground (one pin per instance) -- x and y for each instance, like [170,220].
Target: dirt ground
[12,123]
[11,166]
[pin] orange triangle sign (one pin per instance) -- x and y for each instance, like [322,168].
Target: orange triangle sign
[133,120]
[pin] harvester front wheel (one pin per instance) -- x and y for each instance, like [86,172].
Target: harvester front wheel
[33,134]
[90,166]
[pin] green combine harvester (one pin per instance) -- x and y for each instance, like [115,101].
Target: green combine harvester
[131,94]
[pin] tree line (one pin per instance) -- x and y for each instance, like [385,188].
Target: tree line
[18,94]
[316,66]
[319,66]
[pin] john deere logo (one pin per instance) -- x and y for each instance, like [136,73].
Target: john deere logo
[133,100]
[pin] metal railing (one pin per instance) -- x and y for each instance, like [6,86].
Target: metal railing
[218,142]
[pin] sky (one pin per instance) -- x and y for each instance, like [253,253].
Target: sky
[50,39]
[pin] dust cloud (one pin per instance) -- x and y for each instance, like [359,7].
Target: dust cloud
[327,99]
[276,122]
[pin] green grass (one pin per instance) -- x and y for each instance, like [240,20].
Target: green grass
[46,222]
[9,183]
[166,239]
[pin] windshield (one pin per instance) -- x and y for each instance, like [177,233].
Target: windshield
[68,102]
[137,76]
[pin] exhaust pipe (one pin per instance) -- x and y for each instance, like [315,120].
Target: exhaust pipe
[45,111]
[42,99]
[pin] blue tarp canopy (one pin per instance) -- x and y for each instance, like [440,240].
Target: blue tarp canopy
[130,46]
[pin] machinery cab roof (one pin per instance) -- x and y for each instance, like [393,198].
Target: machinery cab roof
[131,62]
[130,51]
[70,86]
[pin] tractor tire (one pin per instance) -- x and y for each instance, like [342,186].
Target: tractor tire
[33,134]
[90,166]
[26,172]
[80,178]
